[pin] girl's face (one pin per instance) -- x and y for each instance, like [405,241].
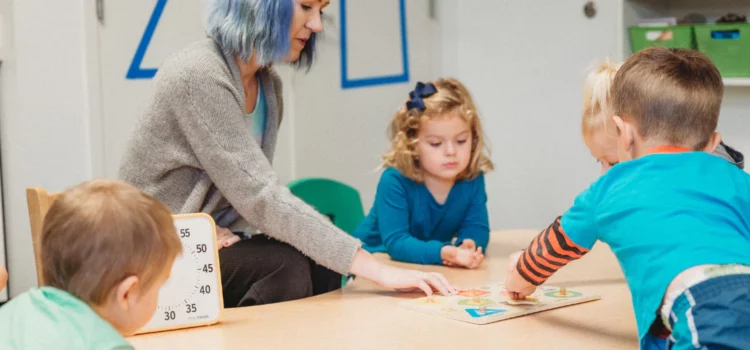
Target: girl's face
[444,146]
[305,21]
[603,147]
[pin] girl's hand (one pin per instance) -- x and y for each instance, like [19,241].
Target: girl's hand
[462,257]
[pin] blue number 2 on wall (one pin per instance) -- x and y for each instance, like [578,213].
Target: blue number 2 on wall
[135,71]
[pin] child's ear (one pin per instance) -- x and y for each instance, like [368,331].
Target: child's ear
[713,142]
[126,293]
[625,139]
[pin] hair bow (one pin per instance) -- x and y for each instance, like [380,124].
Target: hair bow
[421,91]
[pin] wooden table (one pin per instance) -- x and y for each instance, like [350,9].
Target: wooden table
[364,316]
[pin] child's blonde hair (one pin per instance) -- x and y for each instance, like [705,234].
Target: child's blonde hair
[451,96]
[100,232]
[597,97]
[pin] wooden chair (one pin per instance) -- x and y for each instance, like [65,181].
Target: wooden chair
[38,201]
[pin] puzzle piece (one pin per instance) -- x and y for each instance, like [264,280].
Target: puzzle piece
[430,301]
[475,313]
[525,301]
[472,293]
[563,294]
[476,302]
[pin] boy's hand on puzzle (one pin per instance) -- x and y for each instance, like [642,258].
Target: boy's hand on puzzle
[517,287]
[225,238]
[462,256]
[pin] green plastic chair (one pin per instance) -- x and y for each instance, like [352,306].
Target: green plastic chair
[339,202]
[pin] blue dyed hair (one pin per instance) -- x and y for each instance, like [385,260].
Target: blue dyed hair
[239,26]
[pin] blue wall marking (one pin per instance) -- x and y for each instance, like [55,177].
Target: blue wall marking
[135,71]
[347,83]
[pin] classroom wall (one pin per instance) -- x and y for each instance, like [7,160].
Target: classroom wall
[44,129]
[524,62]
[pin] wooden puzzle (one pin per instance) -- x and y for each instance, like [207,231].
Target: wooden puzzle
[491,303]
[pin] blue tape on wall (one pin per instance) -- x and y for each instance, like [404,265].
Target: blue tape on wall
[347,83]
[135,71]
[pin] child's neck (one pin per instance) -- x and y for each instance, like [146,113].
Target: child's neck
[108,313]
[438,188]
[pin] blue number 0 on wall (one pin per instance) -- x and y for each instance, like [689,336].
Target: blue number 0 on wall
[135,71]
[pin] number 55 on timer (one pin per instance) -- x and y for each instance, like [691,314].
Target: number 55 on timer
[191,296]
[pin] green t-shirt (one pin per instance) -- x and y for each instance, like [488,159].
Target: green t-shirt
[49,318]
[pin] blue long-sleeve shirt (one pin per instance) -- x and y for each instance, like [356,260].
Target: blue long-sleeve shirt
[410,225]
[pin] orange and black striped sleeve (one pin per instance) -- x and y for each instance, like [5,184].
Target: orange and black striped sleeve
[548,252]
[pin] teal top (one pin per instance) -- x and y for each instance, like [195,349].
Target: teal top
[410,225]
[49,318]
[662,214]
[256,120]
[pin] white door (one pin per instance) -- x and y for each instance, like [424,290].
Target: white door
[524,62]
[134,39]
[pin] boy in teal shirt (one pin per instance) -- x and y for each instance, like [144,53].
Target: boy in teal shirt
[676,217]
[106,249]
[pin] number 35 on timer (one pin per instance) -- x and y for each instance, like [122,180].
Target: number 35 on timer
[191,296]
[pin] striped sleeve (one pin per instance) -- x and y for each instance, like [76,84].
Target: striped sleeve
[548,252]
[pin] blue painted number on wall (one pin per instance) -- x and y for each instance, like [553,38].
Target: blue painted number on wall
[135,71]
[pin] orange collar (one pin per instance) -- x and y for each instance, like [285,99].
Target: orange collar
[668,149]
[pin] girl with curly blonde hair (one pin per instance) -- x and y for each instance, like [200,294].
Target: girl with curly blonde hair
[432,189]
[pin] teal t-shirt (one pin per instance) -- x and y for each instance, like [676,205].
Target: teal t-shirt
[256,120]
[49,318]
[662,214]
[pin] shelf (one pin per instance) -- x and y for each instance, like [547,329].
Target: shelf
[737,82]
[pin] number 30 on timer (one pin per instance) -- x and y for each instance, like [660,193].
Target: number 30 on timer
[192,295]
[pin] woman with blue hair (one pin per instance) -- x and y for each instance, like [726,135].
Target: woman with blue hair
[205,143]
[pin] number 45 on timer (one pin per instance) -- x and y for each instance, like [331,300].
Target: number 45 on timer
[191,296]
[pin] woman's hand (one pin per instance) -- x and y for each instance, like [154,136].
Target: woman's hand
[225,238]
[366,266]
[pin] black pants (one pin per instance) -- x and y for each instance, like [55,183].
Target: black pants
[262,270]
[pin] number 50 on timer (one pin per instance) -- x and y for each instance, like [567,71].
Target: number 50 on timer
[191,296]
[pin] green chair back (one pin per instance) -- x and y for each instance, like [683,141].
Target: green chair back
[340,202]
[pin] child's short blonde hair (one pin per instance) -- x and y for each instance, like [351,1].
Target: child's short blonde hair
[597,98]
[451,96]
[673,95]
[100,232]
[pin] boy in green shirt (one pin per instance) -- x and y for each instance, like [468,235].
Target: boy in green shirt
[106,249]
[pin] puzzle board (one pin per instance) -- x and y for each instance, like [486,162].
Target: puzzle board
[489,304]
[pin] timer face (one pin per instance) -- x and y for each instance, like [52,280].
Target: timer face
[192,295]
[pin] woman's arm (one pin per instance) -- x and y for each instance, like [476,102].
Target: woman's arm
[386,276]
[209,114]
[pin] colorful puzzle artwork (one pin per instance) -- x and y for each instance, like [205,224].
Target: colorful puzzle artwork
[489,304]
